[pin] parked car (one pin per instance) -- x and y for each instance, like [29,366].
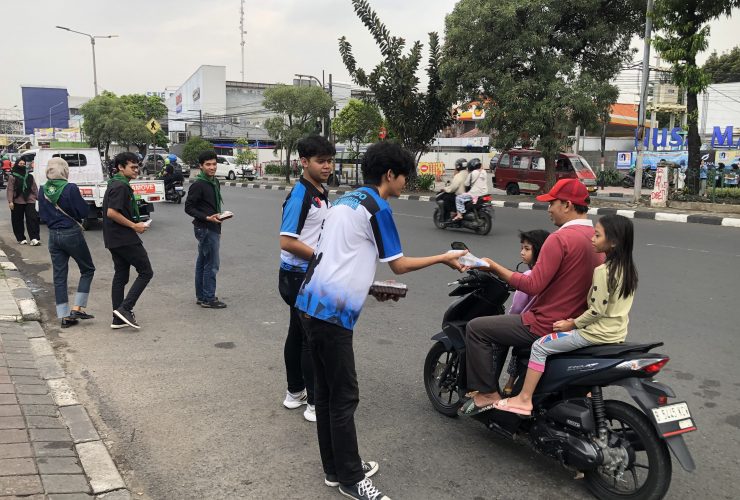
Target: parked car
[154,162]
[227,168]
[523,171]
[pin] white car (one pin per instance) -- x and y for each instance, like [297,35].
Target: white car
[228,169]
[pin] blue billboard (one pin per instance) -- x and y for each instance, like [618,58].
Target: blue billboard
[45,107]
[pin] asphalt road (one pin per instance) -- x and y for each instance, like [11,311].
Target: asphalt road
[191,404]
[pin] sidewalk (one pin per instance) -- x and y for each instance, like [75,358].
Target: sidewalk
[49,448]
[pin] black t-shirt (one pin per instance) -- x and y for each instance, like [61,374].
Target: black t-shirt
[118,196]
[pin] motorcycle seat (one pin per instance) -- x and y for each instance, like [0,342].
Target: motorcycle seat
[602,350]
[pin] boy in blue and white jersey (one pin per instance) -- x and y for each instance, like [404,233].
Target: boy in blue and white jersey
[303,214]
[358,231]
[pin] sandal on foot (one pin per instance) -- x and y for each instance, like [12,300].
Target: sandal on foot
[469,408]
[503,405]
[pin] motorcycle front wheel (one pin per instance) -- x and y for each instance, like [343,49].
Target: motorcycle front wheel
[487,224]
[648,474]
[441,371]
[438,222]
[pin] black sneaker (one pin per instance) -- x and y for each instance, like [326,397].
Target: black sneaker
[118,323]
[199,302]
[364,490]
[213,304]
[127,317]
[369,468]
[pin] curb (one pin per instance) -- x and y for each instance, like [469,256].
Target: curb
[101,472]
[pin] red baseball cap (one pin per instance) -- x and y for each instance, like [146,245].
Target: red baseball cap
[571,190]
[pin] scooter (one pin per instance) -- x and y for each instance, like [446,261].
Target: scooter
[648,179]
[622,449]
[175,192]
[478,216]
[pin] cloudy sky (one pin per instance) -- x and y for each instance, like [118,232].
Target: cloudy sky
[162,42]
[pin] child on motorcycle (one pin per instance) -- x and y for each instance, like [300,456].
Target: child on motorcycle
[531,243]
[604,322]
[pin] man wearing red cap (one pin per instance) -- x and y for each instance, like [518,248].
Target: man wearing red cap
[560,283]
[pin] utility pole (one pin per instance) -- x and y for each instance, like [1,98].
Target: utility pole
[643,101]
[242,33]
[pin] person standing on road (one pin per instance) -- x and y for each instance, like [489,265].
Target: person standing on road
[203,204]
[121,230]
[63,208]
[358,231]
[303,214]
[22,194]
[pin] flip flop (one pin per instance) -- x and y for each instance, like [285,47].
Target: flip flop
[469,409]
[503,405]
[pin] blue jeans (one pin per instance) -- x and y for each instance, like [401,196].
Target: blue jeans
[63,244]
[207,264]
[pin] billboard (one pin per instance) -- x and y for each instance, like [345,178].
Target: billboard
[45,107]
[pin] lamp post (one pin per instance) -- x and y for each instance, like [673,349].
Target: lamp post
[92,42]
[54,106]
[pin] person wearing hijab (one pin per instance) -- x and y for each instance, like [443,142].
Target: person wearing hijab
[63,208]
[22,193]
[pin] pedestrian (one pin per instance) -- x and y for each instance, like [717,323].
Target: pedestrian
[304,210]
[559,282]
[22,194]
[6,166]
[703,174]
[121,230]
[204,204]
[358,231]
[63,209]
[607,308]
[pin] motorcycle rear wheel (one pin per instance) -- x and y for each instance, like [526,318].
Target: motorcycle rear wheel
[441,371]
[627,423]
[485,228]
[438,219]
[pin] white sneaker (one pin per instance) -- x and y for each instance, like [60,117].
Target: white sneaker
[293,401]
[35,243]
[310,413]
[24,242]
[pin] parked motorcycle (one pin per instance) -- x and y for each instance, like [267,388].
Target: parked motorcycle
[621,448]
[648,179]
[175,192]
[478,216]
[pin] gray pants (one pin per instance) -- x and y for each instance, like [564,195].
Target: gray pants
[553,344]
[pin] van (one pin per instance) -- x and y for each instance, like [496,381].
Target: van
[523,171]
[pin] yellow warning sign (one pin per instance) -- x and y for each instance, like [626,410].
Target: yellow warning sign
[153,126]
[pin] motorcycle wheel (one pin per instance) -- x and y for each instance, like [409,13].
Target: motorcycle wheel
[438,219]
[648,475]
[627,182]
[441,370]
[179,198]
[650,182]
[485,228]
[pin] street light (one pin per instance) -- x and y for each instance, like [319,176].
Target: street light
[54,106]
[301,77]
[92,42]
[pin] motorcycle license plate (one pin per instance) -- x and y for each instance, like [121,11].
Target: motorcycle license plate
[178,188]
[674,419]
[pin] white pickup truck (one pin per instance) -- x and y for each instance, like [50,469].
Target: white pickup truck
[86,170]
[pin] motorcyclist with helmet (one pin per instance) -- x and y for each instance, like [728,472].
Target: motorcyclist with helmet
[172,175]
[476,185]
[455,187]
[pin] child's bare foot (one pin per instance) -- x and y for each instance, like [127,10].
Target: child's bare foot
[515,405]
[490,398]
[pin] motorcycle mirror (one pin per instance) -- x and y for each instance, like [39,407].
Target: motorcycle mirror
[459,245]
[517,267]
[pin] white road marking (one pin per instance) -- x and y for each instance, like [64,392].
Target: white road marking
[685,249]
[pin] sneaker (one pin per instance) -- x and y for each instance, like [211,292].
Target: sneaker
[310,413]
[369,468]
[81,315]
[127,317]
[213,304]
[293,401]
[118,323]
[364,490]
[23,242]
[199,301]
[35,243]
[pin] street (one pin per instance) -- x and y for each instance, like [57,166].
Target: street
[191,403]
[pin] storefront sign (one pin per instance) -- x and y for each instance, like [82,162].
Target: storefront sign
[178,103]
[624,159]
[196,94]
[676,138]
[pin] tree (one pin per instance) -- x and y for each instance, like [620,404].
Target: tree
[143,108]
[193,148]
[358,122]
[682,33]
[244,154]
[724,68]
[106,120]
[414,117]
[299,110]
[539,68]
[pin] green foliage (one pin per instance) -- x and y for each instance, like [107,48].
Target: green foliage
[358,122]
[425,182]
[727,192]
[298,109]
[682,32]
[244,154]
[193,148]
[723,68]
[609,177]
[538,67]
[274,169]
[414,117]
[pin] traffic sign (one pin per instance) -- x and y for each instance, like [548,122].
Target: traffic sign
[153,126]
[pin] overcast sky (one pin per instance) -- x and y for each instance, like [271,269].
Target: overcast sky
[162,42]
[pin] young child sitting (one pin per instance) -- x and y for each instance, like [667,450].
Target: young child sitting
[604,322]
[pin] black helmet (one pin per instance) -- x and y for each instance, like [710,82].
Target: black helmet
[474,164]
[460,163]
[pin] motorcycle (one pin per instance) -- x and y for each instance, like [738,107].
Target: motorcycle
[478,216]
[175,192]
[621,449]
[648,179]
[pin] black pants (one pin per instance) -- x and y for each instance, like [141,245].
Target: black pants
[297,352]
[27,211]
[123,259]
[449,203]
[337,397]
[488,338]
